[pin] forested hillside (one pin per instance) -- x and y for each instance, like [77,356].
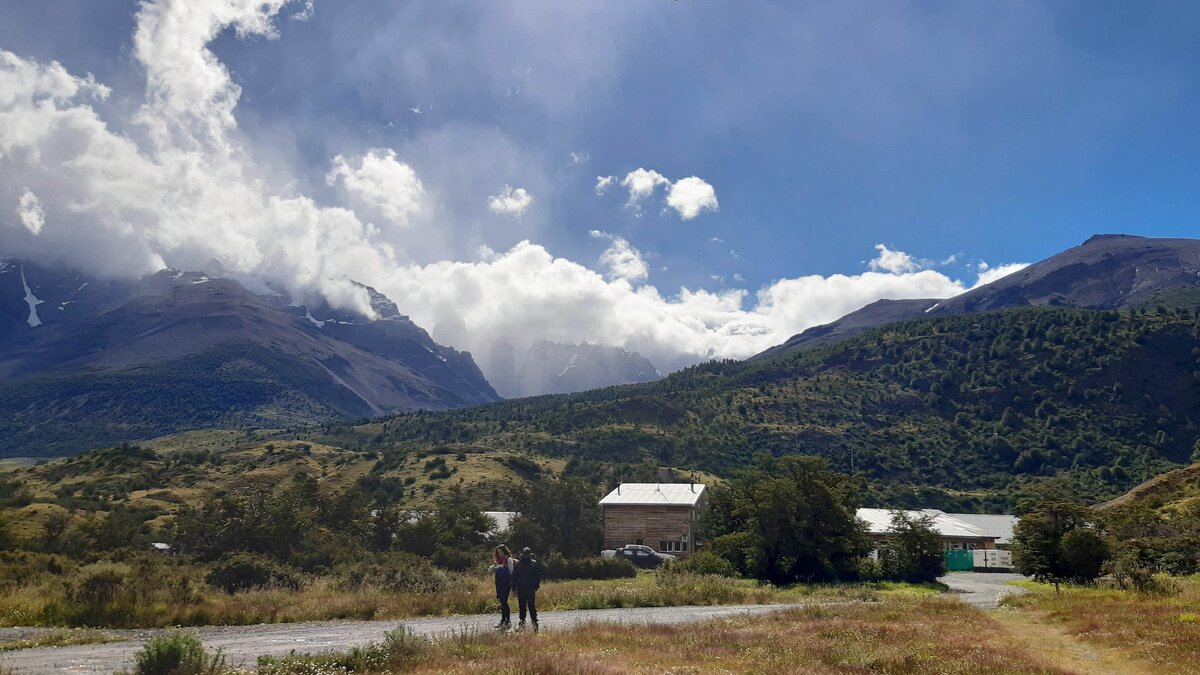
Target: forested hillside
[968,411]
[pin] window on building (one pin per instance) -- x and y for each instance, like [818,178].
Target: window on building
[673,546]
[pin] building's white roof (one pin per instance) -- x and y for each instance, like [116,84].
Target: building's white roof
[879,521]
[998,526]
[671,494]
[502,518]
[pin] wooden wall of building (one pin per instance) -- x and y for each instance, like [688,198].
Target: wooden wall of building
[649,525]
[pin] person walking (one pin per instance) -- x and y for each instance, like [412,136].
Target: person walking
[527,577]
[503,572]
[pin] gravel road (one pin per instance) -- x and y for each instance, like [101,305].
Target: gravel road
[982,589]
[242,645]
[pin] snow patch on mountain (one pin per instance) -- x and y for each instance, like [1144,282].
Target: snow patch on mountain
[31,300]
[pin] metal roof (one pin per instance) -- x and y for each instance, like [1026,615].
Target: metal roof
[879,521]
[502,518]
[646,494]
[998,526]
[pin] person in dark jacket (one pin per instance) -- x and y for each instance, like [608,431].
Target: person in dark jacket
[527,577]
[503,571]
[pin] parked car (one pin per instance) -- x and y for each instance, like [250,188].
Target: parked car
[639,555]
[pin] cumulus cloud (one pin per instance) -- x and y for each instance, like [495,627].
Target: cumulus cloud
[381,183]
[642,183]
[988,274]
[526,294]
[622,259]
[176,186]
[689,196]
[30,213]
[511,203]
[894,262]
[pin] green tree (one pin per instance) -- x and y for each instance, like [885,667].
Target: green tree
[1057,540]
[914,552]
[789,519]
[558,517]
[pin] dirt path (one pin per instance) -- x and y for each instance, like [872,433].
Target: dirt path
[242,645]
[1027,627]
[1065,649]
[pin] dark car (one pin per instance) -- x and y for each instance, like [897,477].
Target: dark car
[642,556]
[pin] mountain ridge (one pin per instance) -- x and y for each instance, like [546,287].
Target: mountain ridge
[278,365]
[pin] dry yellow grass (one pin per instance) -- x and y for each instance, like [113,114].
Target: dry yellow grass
[901,634]
[1163,631]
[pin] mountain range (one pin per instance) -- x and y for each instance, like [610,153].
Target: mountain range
[1108,271]
[87,362]
[557,368]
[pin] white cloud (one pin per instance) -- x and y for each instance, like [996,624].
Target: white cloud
[894,262]
[511,203]
[177,187]
[988,274]
[307,13]
[381,183]
[29,211]
[578,157]
[689,196]
[641,183]
[622,260]
[526,294]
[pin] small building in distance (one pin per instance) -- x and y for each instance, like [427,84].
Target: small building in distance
[958,531]
[663,516]
[998,526]
[503,520]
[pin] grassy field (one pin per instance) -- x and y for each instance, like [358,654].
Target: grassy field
[1160,630]
[44,602]
[900,633]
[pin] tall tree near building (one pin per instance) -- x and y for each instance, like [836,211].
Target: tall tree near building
[1058,540]
[789,519]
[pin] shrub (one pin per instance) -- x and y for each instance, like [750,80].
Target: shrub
[397,572]
[242,571]
[705,563]
[398,647]
[1129,574]
[177,654]
[1178,564]
[455,560]
[94,595]
[557,567]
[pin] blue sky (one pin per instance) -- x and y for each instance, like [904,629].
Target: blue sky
[1000,132]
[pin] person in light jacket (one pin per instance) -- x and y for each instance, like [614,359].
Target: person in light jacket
[527,577]
[503,572]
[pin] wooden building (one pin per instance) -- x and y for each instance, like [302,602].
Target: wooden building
[663,516]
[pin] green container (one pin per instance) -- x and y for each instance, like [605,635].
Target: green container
[959,561]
